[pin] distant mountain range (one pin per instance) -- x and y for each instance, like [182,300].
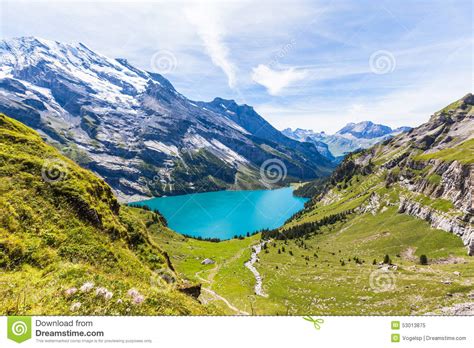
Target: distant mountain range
[351,137]
[136,131]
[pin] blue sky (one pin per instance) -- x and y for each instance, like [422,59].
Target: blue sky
[308,64]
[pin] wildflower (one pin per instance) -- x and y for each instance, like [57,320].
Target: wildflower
[75,306]
[87,286]
[133,292]
[119,301]
[70,291]
[101,291]
[138,299]
[108,295]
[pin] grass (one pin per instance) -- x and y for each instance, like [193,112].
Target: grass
[321,285]
[464,153]
[226,276]
[434,179]
[60,227]
[58,235]
[333,272]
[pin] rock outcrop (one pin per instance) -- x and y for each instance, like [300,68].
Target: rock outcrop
[430,169]
[441,221]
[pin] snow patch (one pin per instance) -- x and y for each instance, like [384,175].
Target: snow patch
[170,150]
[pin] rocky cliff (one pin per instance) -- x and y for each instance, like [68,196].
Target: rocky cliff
[427,173]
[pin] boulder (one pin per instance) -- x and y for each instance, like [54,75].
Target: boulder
[207,262]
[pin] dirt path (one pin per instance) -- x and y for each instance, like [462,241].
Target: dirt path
[250,265]
[223,299]
[409,254]
[210,280]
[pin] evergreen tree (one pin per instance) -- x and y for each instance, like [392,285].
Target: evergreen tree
[423,259]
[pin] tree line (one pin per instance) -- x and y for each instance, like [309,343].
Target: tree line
[306,228]
[156,217]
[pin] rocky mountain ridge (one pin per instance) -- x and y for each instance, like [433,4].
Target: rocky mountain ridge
[350,138]
[427,172]
[134,129]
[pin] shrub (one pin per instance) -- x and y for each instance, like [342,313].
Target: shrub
[423,259]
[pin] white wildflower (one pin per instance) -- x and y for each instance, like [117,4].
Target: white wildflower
[75,306]
[70,291]
[87,286]
[108,295]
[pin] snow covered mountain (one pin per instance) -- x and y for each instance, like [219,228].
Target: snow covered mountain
[351,137]
[251,121]
[365,130]
[135,130]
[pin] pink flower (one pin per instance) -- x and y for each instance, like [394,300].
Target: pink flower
[75,306]
[101,291]
[87,286]
[70,291]
[104,293]
[138,299]
[133,292]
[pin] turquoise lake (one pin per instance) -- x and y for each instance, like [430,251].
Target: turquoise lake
[224,214]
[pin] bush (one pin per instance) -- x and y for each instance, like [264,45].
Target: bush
[387,260]
[423,259]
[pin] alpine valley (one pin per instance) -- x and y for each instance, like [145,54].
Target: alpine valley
[387,229]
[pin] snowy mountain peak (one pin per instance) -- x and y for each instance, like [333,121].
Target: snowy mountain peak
[39,62]
[365,130]
[134,129]
[351,137]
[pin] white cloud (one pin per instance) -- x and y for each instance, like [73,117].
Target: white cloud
[206,20]
[275,81]
[411,106]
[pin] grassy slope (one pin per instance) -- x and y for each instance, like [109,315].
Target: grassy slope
[305,283]
[57,235]
[228,276]
[463,153]
[323,285]
[313,279]
[321,277]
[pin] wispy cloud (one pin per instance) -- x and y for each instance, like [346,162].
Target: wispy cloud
[212,33]
[275,81]
[313,55]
